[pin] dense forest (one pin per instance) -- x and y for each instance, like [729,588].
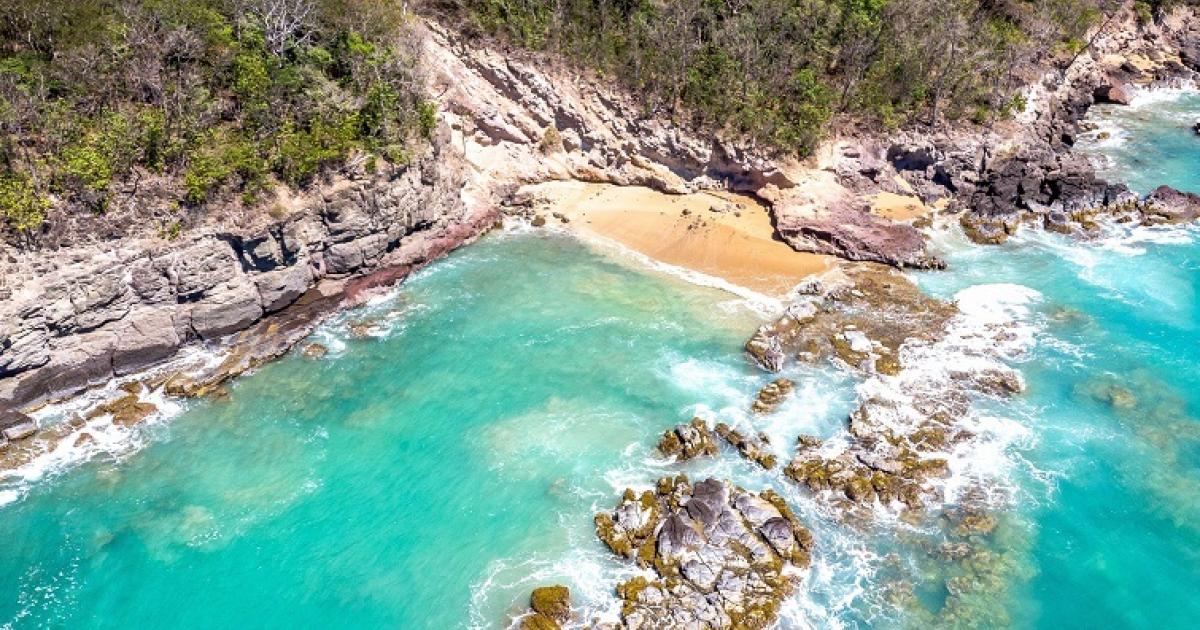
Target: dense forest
[204,97]
[778,70]
[218,100]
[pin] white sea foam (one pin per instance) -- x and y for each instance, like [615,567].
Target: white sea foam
[994,327]
[99,436]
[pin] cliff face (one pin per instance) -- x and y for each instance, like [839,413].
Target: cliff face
[77,316]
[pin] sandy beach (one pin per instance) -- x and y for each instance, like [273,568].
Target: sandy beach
[724,235]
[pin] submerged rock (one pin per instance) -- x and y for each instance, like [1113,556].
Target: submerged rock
[721,556]
[314,351]
[127,410]
[772,395]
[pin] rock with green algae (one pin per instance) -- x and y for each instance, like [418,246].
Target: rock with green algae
[722,557]
[688,441]
[551,601]
[754,448]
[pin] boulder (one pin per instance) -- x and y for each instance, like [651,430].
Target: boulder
[1167,205]
[19,431]
[1112,93]
[552,601]
[687,441]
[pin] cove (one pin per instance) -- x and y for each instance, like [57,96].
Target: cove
[449,452]
[422,474]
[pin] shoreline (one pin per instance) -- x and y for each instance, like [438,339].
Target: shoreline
[735,239]
[721,235]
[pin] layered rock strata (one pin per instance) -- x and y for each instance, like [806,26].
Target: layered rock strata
[76,318]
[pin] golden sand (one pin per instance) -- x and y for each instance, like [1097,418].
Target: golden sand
[722,235]
[898,207]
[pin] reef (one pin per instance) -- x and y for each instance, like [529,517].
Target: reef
[922,369]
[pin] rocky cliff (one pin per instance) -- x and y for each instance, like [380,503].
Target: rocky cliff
[79,315]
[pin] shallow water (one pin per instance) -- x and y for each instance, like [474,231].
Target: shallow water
[1149,143]
[430,473]
[427,476]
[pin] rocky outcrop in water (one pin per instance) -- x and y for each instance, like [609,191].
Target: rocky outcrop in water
[756,448]
[721,557]
[1167,205]
[772,395]
[859,316]
[688,441]
[923,365]
[551,607]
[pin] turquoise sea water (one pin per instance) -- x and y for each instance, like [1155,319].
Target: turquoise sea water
[425,477]
[431,473]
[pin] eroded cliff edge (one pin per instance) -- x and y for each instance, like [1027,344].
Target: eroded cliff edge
[79,315]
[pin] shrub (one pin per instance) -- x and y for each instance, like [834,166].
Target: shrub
[21,206]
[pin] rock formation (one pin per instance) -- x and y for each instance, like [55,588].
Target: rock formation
[551,606]
[722,557]
[772,395]
[907,421]
[688,441]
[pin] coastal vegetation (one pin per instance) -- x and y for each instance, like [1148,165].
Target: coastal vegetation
[779,71]
[193,101]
